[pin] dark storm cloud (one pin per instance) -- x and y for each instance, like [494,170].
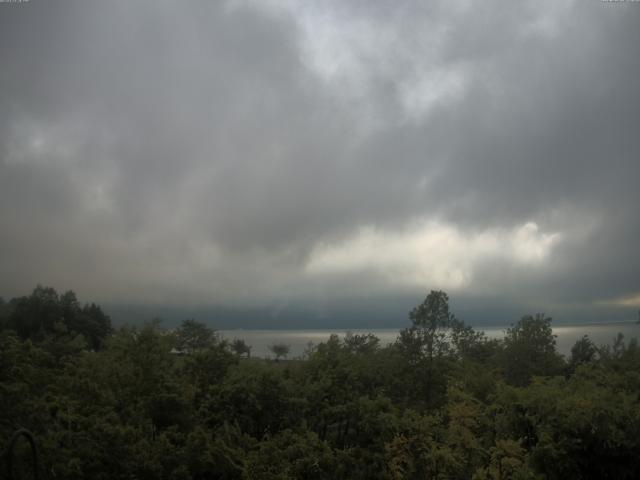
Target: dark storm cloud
[235,152]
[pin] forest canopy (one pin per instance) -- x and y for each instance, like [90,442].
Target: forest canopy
[442,402]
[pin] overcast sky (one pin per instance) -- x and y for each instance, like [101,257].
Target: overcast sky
[258,153]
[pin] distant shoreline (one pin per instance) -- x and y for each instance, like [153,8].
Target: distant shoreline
[362,329]
[601,333]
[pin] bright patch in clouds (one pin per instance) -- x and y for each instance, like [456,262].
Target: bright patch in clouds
[630,301]
[421,94]
[364,59]
[431,253]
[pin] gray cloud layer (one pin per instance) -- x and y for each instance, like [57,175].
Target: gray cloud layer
[251,152]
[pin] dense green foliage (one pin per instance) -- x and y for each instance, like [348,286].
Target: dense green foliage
[442,402]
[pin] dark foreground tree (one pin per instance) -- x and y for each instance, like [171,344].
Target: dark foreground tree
[280,350]
[44,312]
[583,351]
[431,322]
[431,345]
[530,349]
[240,347]
[192,336]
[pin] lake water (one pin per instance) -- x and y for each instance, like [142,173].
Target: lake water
[259,340]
